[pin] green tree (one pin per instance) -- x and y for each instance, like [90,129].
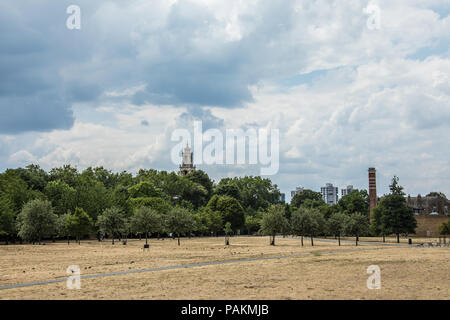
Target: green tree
[91,194]
[228,231]
[144,189]
[356,201]
[214,221]
[274,222]
[158,204]
[61,195]
[395,187]
[444,228]
[180,222]
[16,191]
[147,221]
[66,173]
[393,214]
[377,223]
[111,222]
[7,219]
[232,212]
[298,200]
[228,189]
[252,192]
[62,226]
[201,188]
[337,224]
[79,224]
[36,221]
[252,223]
[230,209]
[307,222]
[357,225]
[34,176]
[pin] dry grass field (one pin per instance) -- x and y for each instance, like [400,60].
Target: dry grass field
[324,271]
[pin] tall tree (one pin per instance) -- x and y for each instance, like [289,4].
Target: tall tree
[356,201]
[394,215]
[230,209]
[357,225]
[63,225]
[298,200]
[307,221]
[228,231]
[337,224]
[111,222]
[36,221]
[79,224]
[147,221]
[61,195]
[252,224]
[67,173]
[35,177]
[274,222]
[180,222]
[91,194]
[7,219]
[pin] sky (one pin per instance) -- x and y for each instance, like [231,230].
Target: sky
[348,86]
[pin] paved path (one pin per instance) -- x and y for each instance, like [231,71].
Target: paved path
[350,241]
[203,264]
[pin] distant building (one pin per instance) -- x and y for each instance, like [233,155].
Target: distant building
[296,191]
[373,198]
[187,164]
[329,194]
[283,197]
[346,191]
[434,204]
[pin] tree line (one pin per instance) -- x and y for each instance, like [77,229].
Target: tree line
[65,203]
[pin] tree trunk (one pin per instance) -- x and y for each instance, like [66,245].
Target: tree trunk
[384,238]
[312,240]
[178,240]
[146,238]
[302,241]
[339,240]
[68,240]
[398,237]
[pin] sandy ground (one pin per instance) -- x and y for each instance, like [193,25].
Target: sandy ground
[327,272]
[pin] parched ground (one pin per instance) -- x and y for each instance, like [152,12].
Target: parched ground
[324,271]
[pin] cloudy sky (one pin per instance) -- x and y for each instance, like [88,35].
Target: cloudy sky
[345,91]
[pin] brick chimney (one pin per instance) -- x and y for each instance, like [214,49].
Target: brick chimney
[372,190]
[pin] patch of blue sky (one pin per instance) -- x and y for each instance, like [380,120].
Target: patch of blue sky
[439,48]
[310,77]
[443,9]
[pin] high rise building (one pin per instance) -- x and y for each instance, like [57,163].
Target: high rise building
[187,164]
[296,191]
[372,189]
[329,194]
[346,191]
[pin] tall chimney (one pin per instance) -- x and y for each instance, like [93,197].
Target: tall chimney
[372,189]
